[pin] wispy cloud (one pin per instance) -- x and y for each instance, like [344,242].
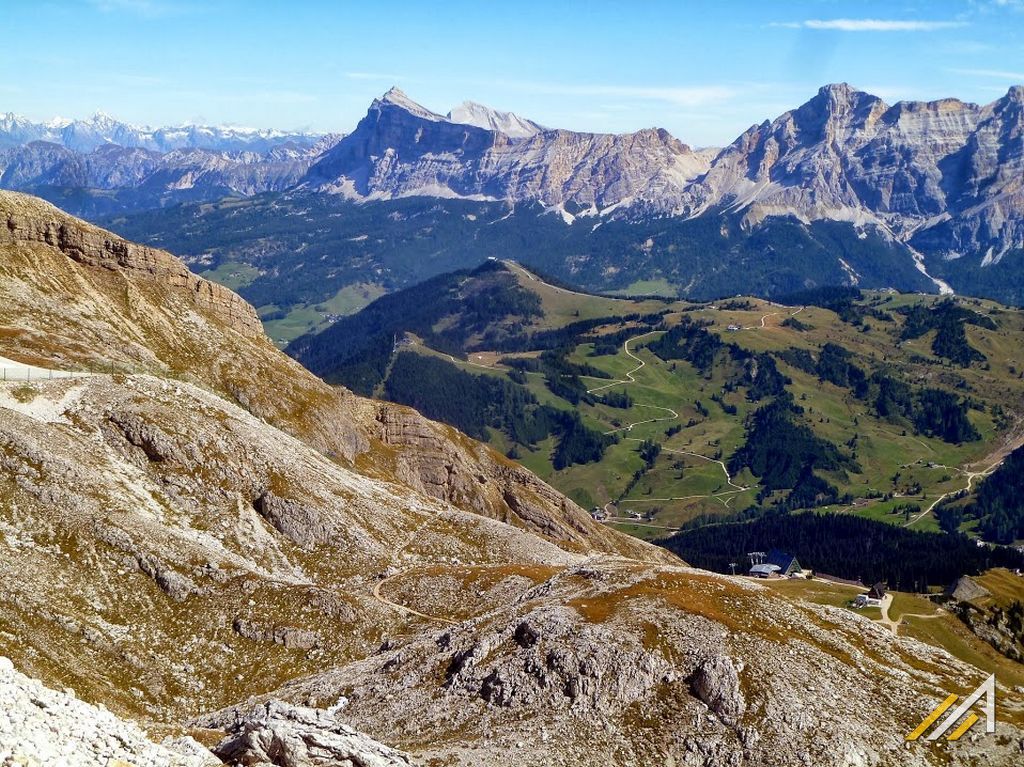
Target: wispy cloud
[870,25]
[694,96]
[995,74]
[145,8]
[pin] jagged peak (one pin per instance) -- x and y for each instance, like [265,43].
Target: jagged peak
[842,95]
[837,89]
[395,96]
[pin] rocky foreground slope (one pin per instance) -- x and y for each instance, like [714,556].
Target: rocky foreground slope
[204,538]
[75,297]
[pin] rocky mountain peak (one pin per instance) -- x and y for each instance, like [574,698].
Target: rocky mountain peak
[509,123]
[396,97]
[840,101]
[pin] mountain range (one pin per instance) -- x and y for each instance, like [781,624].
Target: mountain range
[941,181]
[101,129]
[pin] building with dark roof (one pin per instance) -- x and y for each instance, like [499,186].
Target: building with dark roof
[787,563]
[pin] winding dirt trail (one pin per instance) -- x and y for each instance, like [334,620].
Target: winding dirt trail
[629,375]
[673,415]
[376,593]
[894,625]
[1013,441]
[630,379]
[764,319]
[403,608]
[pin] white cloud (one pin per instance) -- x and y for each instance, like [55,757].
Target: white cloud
[870,25]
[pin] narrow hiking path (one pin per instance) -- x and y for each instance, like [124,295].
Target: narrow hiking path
[971,476]
[641,364]
[727,495]
[403,608]
[629,375]
[764,319]
[629,378]
[725,469]
[534,278]
[376,592]
[885,620]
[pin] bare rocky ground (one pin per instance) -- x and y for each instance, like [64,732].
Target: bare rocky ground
[224,547]
[40,727]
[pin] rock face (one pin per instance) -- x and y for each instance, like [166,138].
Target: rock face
[945,175]
[717,683]
[967,589]
[29,221]
[289,736]
[512,125]
[212,553]
[401,148]
[41,727]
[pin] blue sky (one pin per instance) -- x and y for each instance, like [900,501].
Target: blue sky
[704,70]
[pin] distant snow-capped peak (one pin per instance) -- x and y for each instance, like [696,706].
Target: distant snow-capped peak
[512,125]
[85,135]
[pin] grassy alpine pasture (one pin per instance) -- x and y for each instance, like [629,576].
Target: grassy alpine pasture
[698,417]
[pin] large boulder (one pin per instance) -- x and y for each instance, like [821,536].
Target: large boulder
[282,735]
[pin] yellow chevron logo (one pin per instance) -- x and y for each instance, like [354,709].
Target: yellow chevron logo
[987,690]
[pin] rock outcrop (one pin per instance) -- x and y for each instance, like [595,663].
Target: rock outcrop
[28,220]
[608,662]
[967,589]
[716,682]
[40,727]
[290,736]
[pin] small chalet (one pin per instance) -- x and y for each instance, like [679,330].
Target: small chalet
[786,564]
[872,598]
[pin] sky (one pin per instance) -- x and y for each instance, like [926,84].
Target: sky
[706,71]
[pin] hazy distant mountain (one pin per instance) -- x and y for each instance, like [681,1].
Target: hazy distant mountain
[144,178]
[102,129]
